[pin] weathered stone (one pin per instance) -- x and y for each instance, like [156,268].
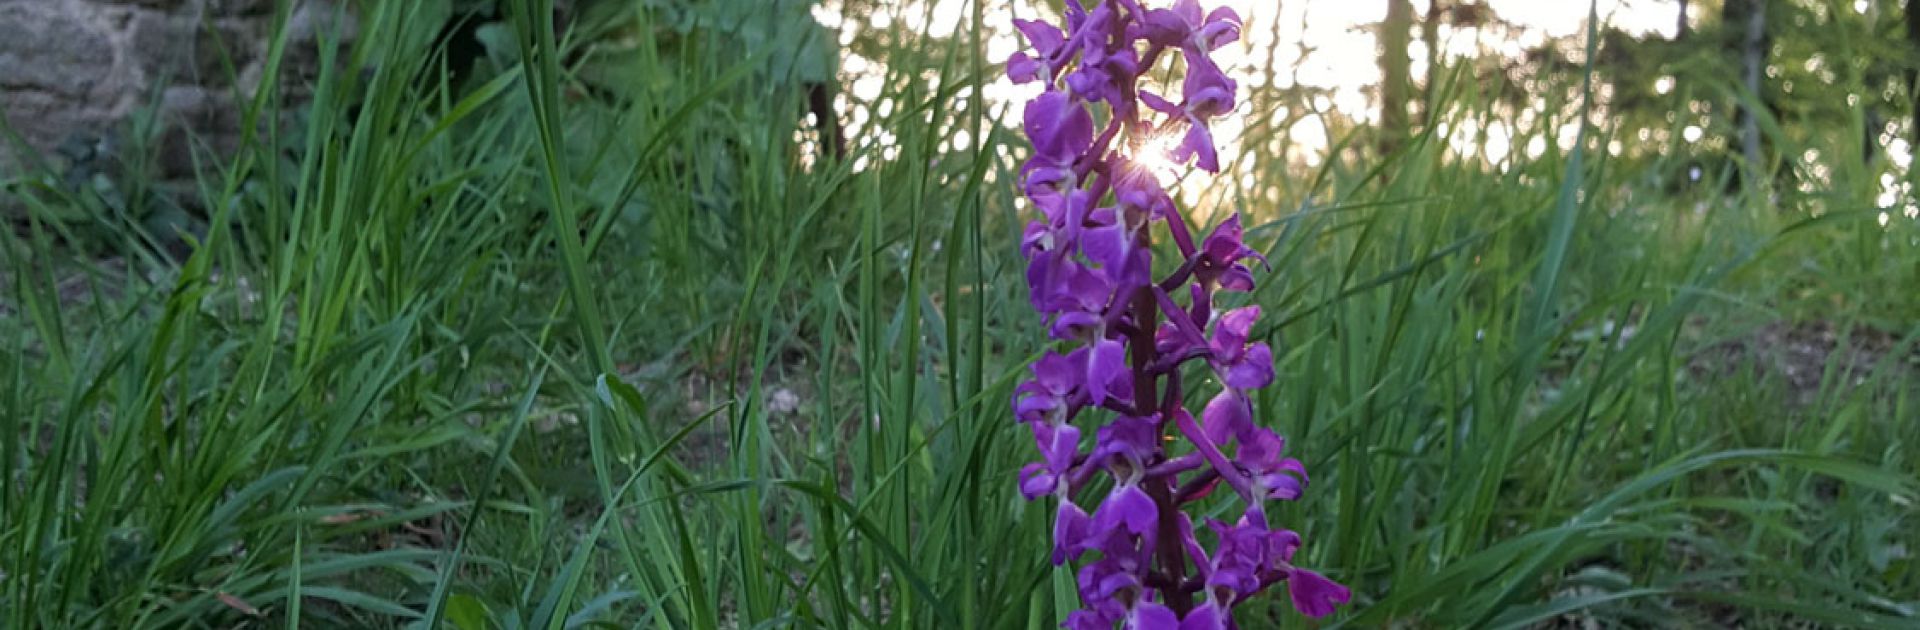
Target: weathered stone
[151,4]
[312,20]
[214,7]
[54,120]
[58,77]
[47,50]
[248,8]
[194,118]
[178,49]
[73,71]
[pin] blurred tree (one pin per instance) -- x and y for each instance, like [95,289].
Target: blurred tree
[1430,38]
[1912,15]
[1395,71]
[1751,17]
[803,57]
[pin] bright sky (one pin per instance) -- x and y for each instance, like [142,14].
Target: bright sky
[1343,57]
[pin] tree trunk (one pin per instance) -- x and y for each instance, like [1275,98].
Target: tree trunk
[1753,61]
[1430,35]
[1680,28]
[1395,66]
[820,102]
[1913,75]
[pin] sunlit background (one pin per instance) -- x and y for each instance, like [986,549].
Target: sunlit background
[1309,72]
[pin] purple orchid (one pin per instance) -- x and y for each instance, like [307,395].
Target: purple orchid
[1209,94]
[1241,365]
[1048,43]
[1221,254]
[1182,25]
[1091,276]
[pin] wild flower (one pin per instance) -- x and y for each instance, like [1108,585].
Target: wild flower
[1127,338]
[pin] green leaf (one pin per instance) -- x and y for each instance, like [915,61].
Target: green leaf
[468,612]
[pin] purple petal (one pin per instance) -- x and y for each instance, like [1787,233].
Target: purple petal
[1120,389]
[1254,370]
[1229,414]
[1127,436]
[1034,408]
[1057,373]
[1059,127]
[1224,243]
[1122,66]
[1199,141]
[1222,27]
[1128,509]
[1084,289]
[1207,91]
[1168,340]
[1201,309]
[1134,272]
[1293,466]
[1070,281]
[1284,479]
[1059,445]
[1096,24]
[1088,83]
[1036,239]
[1314,595]
[1159,104]
[1022,68]
[1036,481]
[1040,281]
[1071,324]
[1138,187]
[1079,204]
[1164,27]
[1076,16]
[1152,616]
[1207,617]
[1088,620]
[1106,360]
[1111,575]
[1236,278]
[1107,244]
[1045,179]
[1046,38]
[1260,449]
[1069,531]
[1237,577]
[1230,331]
[1241,556]
[1280,486]
[1281,544]
[1029,387]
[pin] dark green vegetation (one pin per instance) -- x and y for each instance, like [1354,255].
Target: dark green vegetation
[569,339]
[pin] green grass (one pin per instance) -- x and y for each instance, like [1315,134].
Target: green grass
[505,354]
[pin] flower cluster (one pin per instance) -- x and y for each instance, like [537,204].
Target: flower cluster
[1091,275]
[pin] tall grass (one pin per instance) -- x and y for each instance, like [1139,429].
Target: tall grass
[526,352]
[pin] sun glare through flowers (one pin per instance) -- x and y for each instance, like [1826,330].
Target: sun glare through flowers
[1155,154]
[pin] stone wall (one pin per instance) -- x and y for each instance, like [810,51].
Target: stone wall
[74,72]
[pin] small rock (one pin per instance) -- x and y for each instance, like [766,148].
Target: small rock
[783,401]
